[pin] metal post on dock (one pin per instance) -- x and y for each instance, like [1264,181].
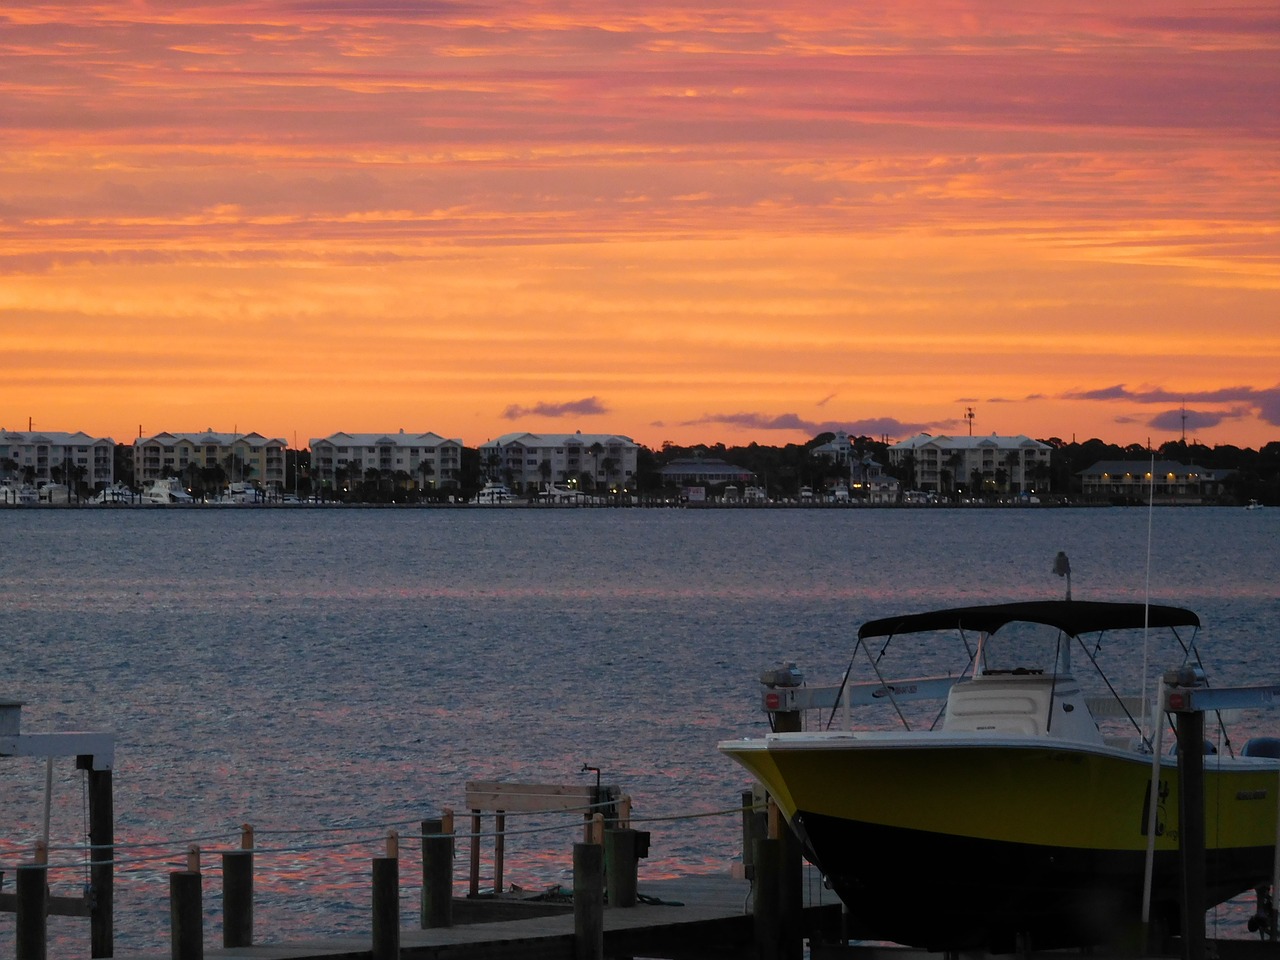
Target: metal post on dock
[588,901]
[32,909]
[437,872]
[237,892]
[186,910]
[386,902]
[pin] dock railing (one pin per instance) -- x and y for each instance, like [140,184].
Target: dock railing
[605,823]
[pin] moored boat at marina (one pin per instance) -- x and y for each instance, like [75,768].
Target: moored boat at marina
[117,493]
[495,494]
[18,494]
[167,490]
[1024,801]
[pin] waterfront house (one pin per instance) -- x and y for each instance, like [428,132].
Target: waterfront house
[1137,480]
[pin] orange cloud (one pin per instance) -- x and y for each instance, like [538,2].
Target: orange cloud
[316,215]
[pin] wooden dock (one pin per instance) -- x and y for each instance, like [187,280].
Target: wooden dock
[690,917]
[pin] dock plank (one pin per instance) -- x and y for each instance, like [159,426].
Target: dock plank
[669,908]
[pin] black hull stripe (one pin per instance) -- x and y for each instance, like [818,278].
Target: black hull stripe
[944,892]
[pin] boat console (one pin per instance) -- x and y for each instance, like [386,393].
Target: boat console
[1021,702]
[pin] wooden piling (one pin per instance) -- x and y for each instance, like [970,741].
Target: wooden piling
[791,893]
[33,911]
[767,898]
[1192,833]
[101,858]
[186,915]
[237,898]
[386,908]
[474,888]
[588,901]
[755,826]
[779,891]
[437,873]
[620,865]
[499,849]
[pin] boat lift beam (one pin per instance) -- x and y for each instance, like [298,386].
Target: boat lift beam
[94,752]
[1187,698]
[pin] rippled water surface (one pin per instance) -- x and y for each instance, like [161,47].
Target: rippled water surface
[325,668]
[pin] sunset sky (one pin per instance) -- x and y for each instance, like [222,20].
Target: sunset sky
[692,222]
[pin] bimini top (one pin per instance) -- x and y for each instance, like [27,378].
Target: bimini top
[1072,617]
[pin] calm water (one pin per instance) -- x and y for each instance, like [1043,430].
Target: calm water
[327,668]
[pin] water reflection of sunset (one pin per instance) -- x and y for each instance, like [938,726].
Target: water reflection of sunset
[355,679]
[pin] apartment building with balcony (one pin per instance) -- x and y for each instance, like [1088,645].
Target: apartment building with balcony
[428,459]
[530,461]
[243,457]
[40,456]
[941,464]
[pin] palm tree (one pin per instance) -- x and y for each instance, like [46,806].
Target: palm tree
[595,450]
[907,471]
[955,462]
[427,470]
[191,477]
[369,484]
[1012,461]
[1041,473]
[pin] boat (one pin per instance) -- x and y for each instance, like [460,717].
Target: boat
[16,494]
[49,492]
[1253,505]
[239,492]
[495,494]
[117,493]
[167,490]
[1017,814]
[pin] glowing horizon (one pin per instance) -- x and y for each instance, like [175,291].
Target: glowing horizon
[720,224]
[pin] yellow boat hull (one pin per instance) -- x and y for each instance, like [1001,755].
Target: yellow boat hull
[952,842]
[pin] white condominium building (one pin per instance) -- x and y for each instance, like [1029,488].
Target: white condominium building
[531,461]
[37,456]
[945,463]
[243,457]
[428,459]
